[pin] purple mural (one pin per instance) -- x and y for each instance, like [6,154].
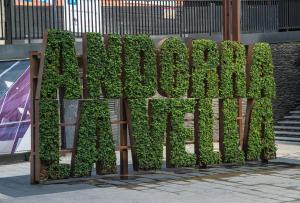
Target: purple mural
[15,108]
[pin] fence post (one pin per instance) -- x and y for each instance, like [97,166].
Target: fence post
[8,22]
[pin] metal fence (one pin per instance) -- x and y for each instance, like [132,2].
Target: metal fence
[28,19]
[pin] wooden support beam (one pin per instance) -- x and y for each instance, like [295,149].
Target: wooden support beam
[123,140]
[226,20]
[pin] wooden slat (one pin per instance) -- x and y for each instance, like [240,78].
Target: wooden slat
[34,158]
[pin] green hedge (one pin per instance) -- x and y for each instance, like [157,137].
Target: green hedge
[104,66]
[179,133]
[173,77]
[204,70]
[206,126]
[148,133]
[232,153]
[233,62]
[262,83]
[95,141]
[60,52]
[261,140]
[139,66]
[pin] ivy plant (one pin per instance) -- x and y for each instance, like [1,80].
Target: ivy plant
[95,140]
[104,66]
[139,66]
[173,77]
[233,62]
[232,153]
[179,133]
[261,138]
[262,83]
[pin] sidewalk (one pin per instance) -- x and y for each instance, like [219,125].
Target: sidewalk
[278,181]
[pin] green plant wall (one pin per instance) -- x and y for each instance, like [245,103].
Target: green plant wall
[179,157]
[205,61]
[262,83]
[148,132]
[173,76]
[232,153]
[104,66]
[95,140]
[60,54]
[233,62]
[139,66]
[261,136]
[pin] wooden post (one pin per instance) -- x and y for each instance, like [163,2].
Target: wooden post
[250,102]
[123,140]
[8,21]
[236,36]
[34,155]
[226,20]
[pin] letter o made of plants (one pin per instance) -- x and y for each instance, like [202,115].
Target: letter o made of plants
[174,70]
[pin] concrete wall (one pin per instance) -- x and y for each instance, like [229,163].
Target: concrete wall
[286,57]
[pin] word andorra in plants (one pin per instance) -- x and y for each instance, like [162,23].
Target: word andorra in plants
[159,86]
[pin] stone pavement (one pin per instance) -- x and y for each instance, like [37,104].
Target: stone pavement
[278,181]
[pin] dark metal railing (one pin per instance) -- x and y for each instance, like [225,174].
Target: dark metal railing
[28,19]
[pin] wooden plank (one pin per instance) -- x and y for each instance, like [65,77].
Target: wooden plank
[221,128]
[123,140]
[250,102]
[41,67]
[34,158]
[226,20]
[168,134]
[196,132]
[236,20]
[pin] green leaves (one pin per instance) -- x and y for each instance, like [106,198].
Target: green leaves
[179,133]
[174,71]
[104,66]
[206,126]
[148,132]
[95,141]
[232,153]
[139,66]
[233,62]
[205,60]
[262,83]
[60,57]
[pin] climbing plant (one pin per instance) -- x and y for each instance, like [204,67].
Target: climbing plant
[173,77]
[139,66]
[104,65]
[262,83]
[179,133]
[233,61]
